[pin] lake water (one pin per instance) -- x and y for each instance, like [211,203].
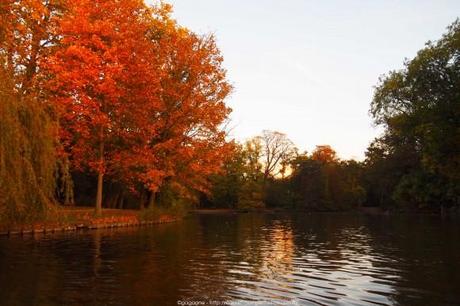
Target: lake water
[304,259]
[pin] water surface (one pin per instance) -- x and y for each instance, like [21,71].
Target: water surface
[304,259]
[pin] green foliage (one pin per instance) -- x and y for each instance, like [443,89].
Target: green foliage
[417,190]
[327,184]
[227,187]
[169,202]
[170,197]
[251,195]
[27,157]
[314,184]
[416,163]
[279,193]
[240,185]
[309,182]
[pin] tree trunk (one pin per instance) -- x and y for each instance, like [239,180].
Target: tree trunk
[152,199]
[100,181]
[142,200]
[114,200]
[121,203]
[100,175]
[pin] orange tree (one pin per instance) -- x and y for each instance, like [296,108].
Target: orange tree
[140,99]
[102,80]
[184,142]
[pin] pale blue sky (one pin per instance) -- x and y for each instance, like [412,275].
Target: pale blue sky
[307,68]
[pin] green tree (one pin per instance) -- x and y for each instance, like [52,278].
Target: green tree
[240,185]
[419,107]
[227,186]
[321,181]
[32,172]
[28,160]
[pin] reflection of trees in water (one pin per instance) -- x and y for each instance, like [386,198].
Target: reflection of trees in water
[321,257]
[21,282]
[50,269]
[154,267]
[424,254]
[230,253]
[262,251]
[335,258]
[225,256]
[272,252]
[278,252]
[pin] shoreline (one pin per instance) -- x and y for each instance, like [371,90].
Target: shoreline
[374,211]
[83,219]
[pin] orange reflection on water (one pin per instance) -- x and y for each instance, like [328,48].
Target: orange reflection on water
[278,253]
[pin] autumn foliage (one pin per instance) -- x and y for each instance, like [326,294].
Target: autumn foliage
[30,172]
[136,98]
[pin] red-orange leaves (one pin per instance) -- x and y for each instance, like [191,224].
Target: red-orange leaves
[104,80]
[189,143]
[181,143]
[139,98]
[324,153]
[27,37]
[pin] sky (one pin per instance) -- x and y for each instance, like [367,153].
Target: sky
[308,68]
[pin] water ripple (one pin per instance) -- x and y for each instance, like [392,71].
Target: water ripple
[309,260]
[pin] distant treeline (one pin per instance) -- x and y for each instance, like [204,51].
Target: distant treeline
[414,165]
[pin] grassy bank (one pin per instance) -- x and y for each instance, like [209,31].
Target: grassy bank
[78,218]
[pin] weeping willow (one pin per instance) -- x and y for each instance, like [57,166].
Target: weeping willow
[28,162]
